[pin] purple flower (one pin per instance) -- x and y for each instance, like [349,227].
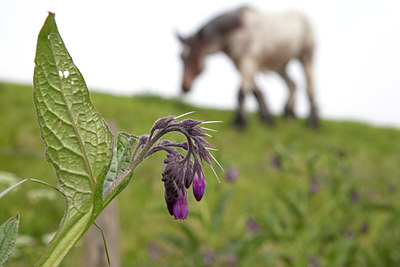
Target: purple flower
[198,185]
[276,162]
[153,251]
[171,193]
[314,185]
[173,170]
[180,207]
[252,226]
[355,197]
[181,171]
[209,258]
[170,207]
[364,228]
[232,175]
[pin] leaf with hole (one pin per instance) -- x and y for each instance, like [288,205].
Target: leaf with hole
[77,140]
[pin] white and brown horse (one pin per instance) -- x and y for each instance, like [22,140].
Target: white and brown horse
[255,42]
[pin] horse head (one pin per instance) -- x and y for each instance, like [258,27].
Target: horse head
[193,60]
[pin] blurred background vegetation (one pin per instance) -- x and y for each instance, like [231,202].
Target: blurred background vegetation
[297,197]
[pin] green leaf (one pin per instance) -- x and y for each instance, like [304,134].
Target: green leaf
[119,163]
[77,139]
[218,212]
[8,235]
[191,237]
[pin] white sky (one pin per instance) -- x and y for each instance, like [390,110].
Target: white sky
[127,47]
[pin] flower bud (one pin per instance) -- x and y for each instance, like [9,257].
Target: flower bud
[198,185]
[188,174]
[189,123]
[180,207]
[171,192]
[180,174]
[162,123]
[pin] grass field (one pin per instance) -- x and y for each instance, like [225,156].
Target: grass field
[302,198]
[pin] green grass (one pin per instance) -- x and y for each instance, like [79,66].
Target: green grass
[351,219]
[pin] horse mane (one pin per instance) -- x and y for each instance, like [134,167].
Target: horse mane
[221,25]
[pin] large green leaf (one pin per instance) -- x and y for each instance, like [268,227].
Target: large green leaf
[8,235]
[77,139]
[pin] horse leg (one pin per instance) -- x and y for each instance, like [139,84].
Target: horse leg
[240,119]
[289,107]
[264,112]
[247,69]
[306,60]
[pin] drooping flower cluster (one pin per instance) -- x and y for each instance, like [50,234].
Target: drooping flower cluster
[182,171]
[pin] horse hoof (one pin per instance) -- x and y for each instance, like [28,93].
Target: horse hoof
[240,123]
[268,120]
[289,113]
[312,121]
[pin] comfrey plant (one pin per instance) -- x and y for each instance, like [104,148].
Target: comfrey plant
[181,171]
[91,164]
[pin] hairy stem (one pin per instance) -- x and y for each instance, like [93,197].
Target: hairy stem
[137,158]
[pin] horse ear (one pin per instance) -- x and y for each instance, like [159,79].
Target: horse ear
[180,38]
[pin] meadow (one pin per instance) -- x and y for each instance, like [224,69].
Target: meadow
[302,197]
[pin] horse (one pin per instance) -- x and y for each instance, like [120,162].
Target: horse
[255,42]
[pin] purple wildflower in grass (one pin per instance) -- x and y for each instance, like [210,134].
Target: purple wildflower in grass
[355,197]
[209,258]
[313,261]
[276,162]
[181,170]
[364,228]
[229,259]
[232,175]
[198,186]
[391,189]
[350,234]
[314,185]
[153,250]
[252,226]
